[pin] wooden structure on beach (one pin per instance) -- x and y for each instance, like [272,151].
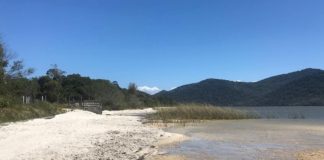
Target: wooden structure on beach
[92,106]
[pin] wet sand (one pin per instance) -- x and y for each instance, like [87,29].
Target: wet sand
[167,157]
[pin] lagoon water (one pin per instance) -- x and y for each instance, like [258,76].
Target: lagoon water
[290,112]
[280,138]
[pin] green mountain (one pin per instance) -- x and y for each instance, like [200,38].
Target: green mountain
[305,87]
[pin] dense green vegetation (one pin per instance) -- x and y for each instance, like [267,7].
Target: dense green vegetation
[192,113]
[56,87]
[302,88]
[75,88]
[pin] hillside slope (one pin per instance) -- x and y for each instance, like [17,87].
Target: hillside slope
[304,87]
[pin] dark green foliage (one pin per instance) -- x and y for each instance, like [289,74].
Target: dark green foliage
[4,103]
[76,87]
[3,63]
[132,88]
[50,88]
[17,70]
[308,90]
[55,73]
[300,88]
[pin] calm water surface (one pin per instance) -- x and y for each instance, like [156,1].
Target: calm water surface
[279,138]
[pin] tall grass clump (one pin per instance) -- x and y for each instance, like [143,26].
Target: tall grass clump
[199,112]
[18,112]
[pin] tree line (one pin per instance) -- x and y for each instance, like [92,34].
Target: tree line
[58,87]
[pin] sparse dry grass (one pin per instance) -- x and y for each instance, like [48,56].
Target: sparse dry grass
[25,112]
[194,113]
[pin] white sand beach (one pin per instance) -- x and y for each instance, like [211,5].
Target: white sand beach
[115,135]
[121,135]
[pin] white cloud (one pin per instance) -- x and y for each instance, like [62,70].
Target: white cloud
[172,88]
[149,90]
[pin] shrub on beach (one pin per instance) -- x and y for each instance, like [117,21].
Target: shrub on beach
[3,102]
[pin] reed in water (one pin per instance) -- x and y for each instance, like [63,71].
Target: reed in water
[192,112]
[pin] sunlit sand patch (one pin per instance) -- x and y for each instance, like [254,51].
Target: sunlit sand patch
[311,155]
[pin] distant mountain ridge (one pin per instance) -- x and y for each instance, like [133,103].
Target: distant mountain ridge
[301,88]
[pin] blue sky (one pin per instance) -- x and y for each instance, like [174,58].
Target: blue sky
[166,43]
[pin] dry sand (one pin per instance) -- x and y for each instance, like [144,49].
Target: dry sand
[115,135]
[311,155]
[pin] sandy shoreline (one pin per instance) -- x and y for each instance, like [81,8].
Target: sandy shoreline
[121,135]
[79,134]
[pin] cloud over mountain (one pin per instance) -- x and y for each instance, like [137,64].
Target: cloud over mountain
[149,90]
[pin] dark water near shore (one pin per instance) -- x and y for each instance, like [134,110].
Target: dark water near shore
[279,138]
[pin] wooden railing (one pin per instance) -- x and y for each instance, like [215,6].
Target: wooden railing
[92,106]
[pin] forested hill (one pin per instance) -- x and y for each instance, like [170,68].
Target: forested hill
[299,88]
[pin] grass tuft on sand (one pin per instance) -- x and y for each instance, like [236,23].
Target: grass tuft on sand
[24,112]
[195,113]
